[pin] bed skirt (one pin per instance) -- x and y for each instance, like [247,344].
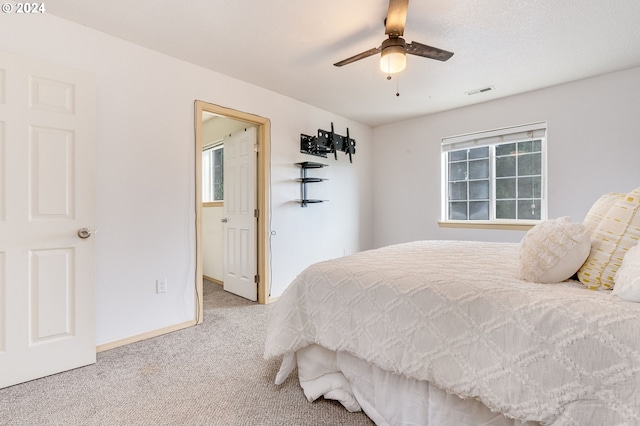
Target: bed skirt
[387,398]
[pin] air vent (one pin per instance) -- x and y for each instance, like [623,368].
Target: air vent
[484,89]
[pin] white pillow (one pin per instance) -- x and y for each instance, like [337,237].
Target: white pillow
[553,250]
[627,280]
[618,231]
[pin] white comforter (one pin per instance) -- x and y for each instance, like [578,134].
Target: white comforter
[454,313]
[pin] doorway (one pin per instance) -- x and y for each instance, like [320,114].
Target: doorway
[263,130]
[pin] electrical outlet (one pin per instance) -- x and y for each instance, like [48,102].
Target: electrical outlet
[161,286]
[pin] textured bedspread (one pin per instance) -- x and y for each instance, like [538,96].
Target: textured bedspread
[454,313]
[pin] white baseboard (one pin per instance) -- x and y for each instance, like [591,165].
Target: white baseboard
[144,336]
[213,280]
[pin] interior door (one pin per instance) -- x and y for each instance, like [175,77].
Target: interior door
[47,159]
[239,221]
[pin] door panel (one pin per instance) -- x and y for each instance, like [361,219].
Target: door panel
[246,272]
[52,95]
[240,263]
[52,289]
[47,161]
[230,253]
[51,165]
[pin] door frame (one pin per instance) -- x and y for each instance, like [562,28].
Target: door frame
[263,128]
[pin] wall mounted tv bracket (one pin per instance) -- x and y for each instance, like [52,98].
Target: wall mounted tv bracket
[328,143]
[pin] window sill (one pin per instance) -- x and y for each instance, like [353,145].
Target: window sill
[488,225]
[213,204]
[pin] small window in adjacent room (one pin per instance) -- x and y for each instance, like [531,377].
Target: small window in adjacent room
[495,177]
[213,173]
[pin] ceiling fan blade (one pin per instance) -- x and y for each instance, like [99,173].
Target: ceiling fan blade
[396,17]
[419,49]
[357,57]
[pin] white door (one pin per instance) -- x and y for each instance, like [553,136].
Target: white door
[239,221]
[47,159]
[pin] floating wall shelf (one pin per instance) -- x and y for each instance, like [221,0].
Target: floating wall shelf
[304,180]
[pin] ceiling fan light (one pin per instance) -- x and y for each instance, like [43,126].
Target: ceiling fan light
[393,59]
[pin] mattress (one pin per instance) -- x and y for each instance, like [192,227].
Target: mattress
[455,314]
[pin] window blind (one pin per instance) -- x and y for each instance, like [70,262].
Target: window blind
[215,144]
[496,136]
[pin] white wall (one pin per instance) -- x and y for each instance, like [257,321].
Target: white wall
[593,148]
[145,173]
[213,242]
[215,128]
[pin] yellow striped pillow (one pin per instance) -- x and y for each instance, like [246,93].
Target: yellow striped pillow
[618,231]
[600,208]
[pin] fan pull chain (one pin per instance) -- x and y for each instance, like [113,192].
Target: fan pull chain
[397,84]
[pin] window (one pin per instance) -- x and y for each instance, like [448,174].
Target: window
[213,173]
[496,176]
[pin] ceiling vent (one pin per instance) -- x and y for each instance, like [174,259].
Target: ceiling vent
[484,89]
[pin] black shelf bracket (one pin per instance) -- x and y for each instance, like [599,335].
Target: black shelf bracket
[328,142]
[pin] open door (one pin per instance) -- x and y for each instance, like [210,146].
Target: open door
[47,161]
[263,136]
[240,218]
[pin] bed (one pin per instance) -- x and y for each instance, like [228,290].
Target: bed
[448,333]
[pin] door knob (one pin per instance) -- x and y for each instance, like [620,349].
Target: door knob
[225,220]
[85,233]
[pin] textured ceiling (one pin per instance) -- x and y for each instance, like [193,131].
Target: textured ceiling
[289,46]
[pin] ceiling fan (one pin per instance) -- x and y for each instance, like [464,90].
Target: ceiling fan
[393,50]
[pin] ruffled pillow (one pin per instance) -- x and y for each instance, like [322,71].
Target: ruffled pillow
[553,250]
[627,279]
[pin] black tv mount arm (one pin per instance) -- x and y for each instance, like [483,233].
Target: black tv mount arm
[327,142]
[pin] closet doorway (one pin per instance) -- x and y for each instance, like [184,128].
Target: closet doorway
[210,120]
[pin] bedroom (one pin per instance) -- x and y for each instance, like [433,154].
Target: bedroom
[144,188]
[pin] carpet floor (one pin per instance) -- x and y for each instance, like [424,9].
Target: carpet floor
[210,374]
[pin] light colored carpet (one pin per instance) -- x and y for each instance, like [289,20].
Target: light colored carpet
[211,374]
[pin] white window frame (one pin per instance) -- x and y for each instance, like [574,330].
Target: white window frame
[492,138]
[207,177]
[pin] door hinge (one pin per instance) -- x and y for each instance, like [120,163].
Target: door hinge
[256,213]
[256,147]
[256,279]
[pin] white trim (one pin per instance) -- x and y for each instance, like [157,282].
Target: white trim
[486,224]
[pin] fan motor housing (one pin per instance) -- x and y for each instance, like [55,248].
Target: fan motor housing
[392,42]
